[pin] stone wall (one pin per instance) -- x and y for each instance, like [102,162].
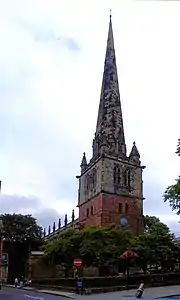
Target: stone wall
[38,269]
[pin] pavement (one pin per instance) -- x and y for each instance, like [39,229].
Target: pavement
[10,293]
[149,294]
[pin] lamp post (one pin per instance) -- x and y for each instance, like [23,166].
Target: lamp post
[1,251]
[128,255]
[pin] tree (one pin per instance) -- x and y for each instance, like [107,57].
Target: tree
[21,234]
[21,228]
[102,246]
[172,193]
[155,227]
[98,246]
[156,247]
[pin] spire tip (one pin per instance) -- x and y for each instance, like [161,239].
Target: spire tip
[110,15]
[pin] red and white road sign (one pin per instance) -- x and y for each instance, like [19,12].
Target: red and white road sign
[77,262]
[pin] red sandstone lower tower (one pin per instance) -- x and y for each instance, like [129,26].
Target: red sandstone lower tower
[110,185]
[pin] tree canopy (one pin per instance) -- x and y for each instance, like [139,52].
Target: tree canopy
[103,246]
[96,246]
[21,234]
[172,193]
[156,247]
[19,228]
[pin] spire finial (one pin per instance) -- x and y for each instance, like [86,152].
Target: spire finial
[110,13]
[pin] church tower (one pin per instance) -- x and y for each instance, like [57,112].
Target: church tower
[110,185]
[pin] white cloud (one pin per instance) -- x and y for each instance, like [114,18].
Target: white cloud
[51,63]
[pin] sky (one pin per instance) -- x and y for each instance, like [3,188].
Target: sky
[51,63]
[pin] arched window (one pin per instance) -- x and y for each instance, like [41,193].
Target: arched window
[115,173]
[87,212]
[126,208]
[91,210]
[86,182]
[125,177]
[119,175]
[120,208]
[94,175]
[129,178]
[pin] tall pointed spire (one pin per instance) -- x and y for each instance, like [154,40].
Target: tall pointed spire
[109,136]
[134,154]
[83,163]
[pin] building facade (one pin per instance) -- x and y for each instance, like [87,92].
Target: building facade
[110,184]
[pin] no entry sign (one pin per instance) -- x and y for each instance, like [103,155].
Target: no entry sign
[78,262]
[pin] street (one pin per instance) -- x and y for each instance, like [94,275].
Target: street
[8,293]
[16,294]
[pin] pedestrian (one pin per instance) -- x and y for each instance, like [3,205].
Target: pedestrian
[29,282]
[16,282]
[21,284]
[140,290]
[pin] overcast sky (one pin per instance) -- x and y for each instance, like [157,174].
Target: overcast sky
[51,64]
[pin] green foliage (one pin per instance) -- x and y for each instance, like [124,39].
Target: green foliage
[178,148]
[156,247]
[102,246]
[21,234]
[155,227]
[20,228]
[172,193]
[96,246]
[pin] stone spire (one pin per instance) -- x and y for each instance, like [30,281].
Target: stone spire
[73,216]
[65,220]
[109,136]
[54,227]
[59,224]
[83,163]
[134,154]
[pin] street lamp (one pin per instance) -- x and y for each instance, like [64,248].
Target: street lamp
[1,251]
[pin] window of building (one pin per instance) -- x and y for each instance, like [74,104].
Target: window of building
[87,212]
[119,175]
[115,170]
[91,210]
[129,177]
[125,177]
[120,208]
[126,208]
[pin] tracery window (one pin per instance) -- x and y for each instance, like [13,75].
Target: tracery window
[125,177]
[129,178]
[91,179]
[117,174]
